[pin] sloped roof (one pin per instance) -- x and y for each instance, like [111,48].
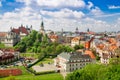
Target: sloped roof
[53,36]
[65,55]
[20,29]
[3,34]
[76,39]
[90,54]
[74,56]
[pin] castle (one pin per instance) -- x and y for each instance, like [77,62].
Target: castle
[13,36]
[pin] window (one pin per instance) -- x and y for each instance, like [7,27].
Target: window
[76,68]
[76,64]
[74,60]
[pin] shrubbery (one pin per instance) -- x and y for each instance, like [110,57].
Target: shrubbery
[96,72]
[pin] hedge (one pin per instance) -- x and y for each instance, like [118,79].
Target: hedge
[36,62]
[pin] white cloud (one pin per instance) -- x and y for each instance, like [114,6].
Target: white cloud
[90,5]
[61,3]
[64,13]
[113,7]
[27,2]
[64,17]
[25,16]
[96,11]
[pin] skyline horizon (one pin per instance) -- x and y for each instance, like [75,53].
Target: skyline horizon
[96,15]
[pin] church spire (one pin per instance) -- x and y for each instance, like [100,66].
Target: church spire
[76,31]
[42,31]
[42,25]
[88,30]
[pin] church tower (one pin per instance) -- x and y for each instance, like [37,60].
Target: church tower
[77,31]
[42,31]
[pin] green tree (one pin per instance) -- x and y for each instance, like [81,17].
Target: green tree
[96,72]
[2,45]
[76,47]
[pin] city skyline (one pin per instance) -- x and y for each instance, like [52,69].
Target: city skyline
[96,15]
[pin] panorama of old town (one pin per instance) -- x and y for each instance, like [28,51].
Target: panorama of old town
[76,52]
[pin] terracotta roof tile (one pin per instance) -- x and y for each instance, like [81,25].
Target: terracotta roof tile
[90,54]
[20,29]
[76,39]
[3,34]
[53,37]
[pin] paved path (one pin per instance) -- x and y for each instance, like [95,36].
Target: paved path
[63,73]
[46,67]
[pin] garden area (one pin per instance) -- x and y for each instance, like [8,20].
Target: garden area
[28,76]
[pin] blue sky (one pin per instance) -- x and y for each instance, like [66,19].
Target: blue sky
[98,15]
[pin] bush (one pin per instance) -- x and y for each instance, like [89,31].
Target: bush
[45,72]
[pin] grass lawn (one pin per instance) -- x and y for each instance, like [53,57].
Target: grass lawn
[46,61]
[28,76]
[54,76]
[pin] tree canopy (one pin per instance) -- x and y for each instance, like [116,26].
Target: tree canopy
[38,43]
[96,72]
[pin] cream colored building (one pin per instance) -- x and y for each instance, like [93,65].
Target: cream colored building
[72,61]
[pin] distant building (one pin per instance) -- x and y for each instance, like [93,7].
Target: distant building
[53,38]
[2,36]
[11,39]
[22,31]
[7,56]
[105,48]
[75,41]
[72,61]
[14,35]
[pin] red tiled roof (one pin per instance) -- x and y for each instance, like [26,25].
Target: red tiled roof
[8,54]
[20,29]
[112,41]
[112,47]
[90,54]
[16,30]
[23,30]
[76,39]
[101,46]
[87,45]
[3,34]
[91,32]
[53,37]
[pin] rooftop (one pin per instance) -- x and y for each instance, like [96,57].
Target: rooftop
[74,56]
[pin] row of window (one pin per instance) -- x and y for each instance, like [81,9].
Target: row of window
[81,64]
[82,60]
[72,69]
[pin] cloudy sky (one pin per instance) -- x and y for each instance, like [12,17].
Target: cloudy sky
[97,15]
